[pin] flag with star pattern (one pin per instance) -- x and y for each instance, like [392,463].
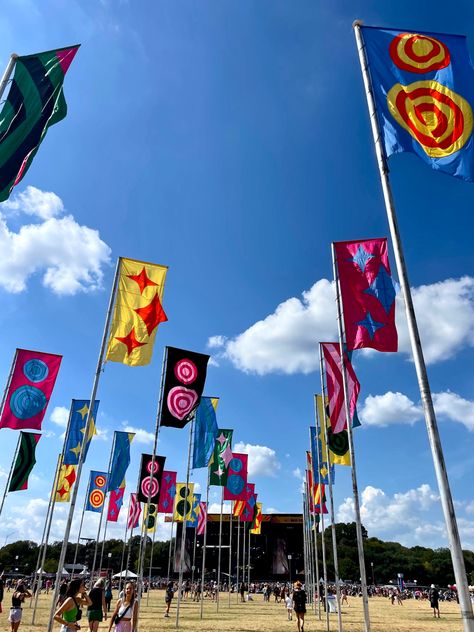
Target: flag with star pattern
[66,479]
[221,457]
[115,503]
[167,492]
[77,428]
[137,312]
[194,519]
[367,294]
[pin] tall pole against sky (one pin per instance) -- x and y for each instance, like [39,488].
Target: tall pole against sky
[418,358]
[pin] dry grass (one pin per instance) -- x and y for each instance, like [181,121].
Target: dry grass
[257,616]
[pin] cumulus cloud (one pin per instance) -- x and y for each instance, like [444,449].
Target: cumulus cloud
[60,416]
[262,460]
[298,473]
[454,407]
[285,340]
[69,256]
[141,435]
[390,408]
[215,508]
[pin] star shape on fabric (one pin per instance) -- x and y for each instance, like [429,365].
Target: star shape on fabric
[172,491]
[165,503]
[219,471]
[382,288]
[227,455]
[142,280]
[152,314]
[361,257]
[168,478]
[83,411]
[246,512]
[112,512]
[130,341]
[324,470]
[370,324]
[77,449]
[221,439]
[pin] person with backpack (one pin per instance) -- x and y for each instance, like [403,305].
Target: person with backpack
[69,612]
[299,605]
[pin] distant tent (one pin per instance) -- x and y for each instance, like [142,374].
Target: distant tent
[125,574]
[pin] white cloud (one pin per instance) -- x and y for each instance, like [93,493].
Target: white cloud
[215,342]
[141,435]
[197,488]
[271,510]
[60,416]
[262,460]
[298,473]
[215,508]
[69,256]
[390,408]
[454,407]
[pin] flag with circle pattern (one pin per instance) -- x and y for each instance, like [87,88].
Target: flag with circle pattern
[96,491]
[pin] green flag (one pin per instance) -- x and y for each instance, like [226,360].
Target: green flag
[221,457]
[35,101]
[25,461]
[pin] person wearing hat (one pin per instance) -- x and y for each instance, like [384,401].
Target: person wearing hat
[433,596]
[18,597]
[97,611]
[299,605]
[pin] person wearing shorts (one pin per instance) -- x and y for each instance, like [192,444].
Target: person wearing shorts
[97,611]
[299,605]
[16,611]
[168,598]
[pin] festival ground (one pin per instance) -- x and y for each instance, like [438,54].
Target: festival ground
[257,616]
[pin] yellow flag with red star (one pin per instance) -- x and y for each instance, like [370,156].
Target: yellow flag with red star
[66,478]
[137,312]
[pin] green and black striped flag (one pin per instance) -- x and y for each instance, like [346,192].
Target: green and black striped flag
[35,101]
[25,461]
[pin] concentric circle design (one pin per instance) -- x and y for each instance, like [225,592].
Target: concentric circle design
[235,464]
[96,498]
[235,484]
[338,443]
[35,370]
[418,53]
[181,401]
[183,507]
[156,467]
[27,401]
[435,116]
[148,484]
[100,480]
[185,371]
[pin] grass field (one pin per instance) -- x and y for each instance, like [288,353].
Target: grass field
[257,616]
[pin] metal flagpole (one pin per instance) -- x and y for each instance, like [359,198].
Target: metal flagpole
[171,545]
[129,551]
[5,492]
[194,555]
[318,585]
[312,556]
[309,568]
[185,516]
[100,363]
[244,559]
[220,550]
[430,417]
[305,532]
[203,571]
[325,570]
[151,558]
[12,368]
[248,568]
[238,560]
[124,542]
[230,549]
[8,72]
[80,529]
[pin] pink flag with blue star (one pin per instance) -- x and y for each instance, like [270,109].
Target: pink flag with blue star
[367,294]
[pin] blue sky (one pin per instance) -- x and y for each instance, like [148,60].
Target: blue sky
[231,142]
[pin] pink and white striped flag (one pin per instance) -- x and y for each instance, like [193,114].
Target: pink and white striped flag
[202,518]
[335,388]
[134,511]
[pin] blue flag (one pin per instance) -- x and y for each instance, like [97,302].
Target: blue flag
[96,491]
[205,431]
[77,428]
[423,85]
[120,459]
[193,520]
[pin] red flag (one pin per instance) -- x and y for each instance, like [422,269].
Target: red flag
[202,518]
[367,294]
[134,511]
[332,360]
[115,503]
[234,488]
[167,492]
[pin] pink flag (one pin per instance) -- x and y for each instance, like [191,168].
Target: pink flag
[167,492]
[134,511]
[234,488]
[332,360]
[202,518]
[32,382]
[367,294]
[115,503]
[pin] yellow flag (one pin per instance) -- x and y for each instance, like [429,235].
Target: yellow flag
[338,443]
[183,502]
[67,476]
[137,312]
[150,517]
[258,520]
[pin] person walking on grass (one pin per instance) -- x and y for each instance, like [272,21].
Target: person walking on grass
[97,611]
[289,606]
[433,596]
[125,615]
[18,597]
[169,594]
[299,605]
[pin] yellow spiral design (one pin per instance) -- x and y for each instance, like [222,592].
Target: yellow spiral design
[419,53]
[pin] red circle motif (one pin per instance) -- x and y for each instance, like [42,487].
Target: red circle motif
[419,53]
[185,371]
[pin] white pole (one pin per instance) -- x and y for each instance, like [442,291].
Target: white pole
[171,544]
[8,72]
[244,559]
[238,560]
[248,568]
[5,492]
[230,550]
[203,570]
[124,542]
[220,549]
[318,586]
[80,529]
[151,558]
[102,513]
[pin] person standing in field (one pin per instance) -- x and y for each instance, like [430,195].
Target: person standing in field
[18,597]
[289,606]
[97,611]
[433,596]
[299,605]
[125,615]
[169,597]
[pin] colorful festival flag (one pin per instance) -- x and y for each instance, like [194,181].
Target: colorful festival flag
[320,499]
[245,508]
[35,101]
[221,457]
[150,517]
[183,503]
[185,375]
[167,492]
[310,480]
[202,518]
[96,491]
[32,382]
[423,86]
[134,511]
[137,312]
[25,460]
[367,294]
[324,471]
[205,431]
[66,479]
[335,389]
[234,488]
[194,519]
[115,503]
[146,482]
[338,443]
[120,459]
[256,527]
[77,428]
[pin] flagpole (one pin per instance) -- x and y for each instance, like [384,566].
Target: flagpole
[151,556]
[238,560]
[325,568]
[203,572]
[219,555]
[12,367]
[5,491]
[194,555]
[309,567]
[243,554]
[8,72]
[312,556]
[129,550]
[305,532]
[171,544]
[318,585]
[80,527]
[95,385]
[101,559]
[124,541]
[230,550]
[422,375]
[248,570]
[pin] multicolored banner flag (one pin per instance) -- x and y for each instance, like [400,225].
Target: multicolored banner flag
[310,480]
[66,479]
[185,376]
[77,428]
[245,508]
[325,470]
[338,443]
[320,499]
[120,459]
[167,492]
[234,488]
[205,431]
[150,517]
[202,518]
[221,457]
[367,294]
[194,519]
[335,389]
[147,482]
[256,527]
[115,503]
[183,503]
[25,460]
[134,511]
[35,102]
[423,86]
[32,382]
[137,313]
[96,491]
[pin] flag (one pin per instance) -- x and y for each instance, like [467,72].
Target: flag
[256,527]
[324,471]
[150,517]
[77,429]
[185,375]
[193,520]
[338,443]
[244,508]
[146,482]
[320,499]
[367,294]
[183,503]
[310,480]
[120,459]
[234,488]
[332,362]
[134,511]
[25,460]
[35,101]
[115,502]
[205,431]
[202,518]
[423,86]
[32,382]
[137,312]
[96,491]
[221,458]
[66,479]
[167,492]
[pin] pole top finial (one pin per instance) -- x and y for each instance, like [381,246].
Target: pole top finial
[14,55]
[357,23]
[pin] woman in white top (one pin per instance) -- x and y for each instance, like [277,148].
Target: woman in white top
[125,614]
